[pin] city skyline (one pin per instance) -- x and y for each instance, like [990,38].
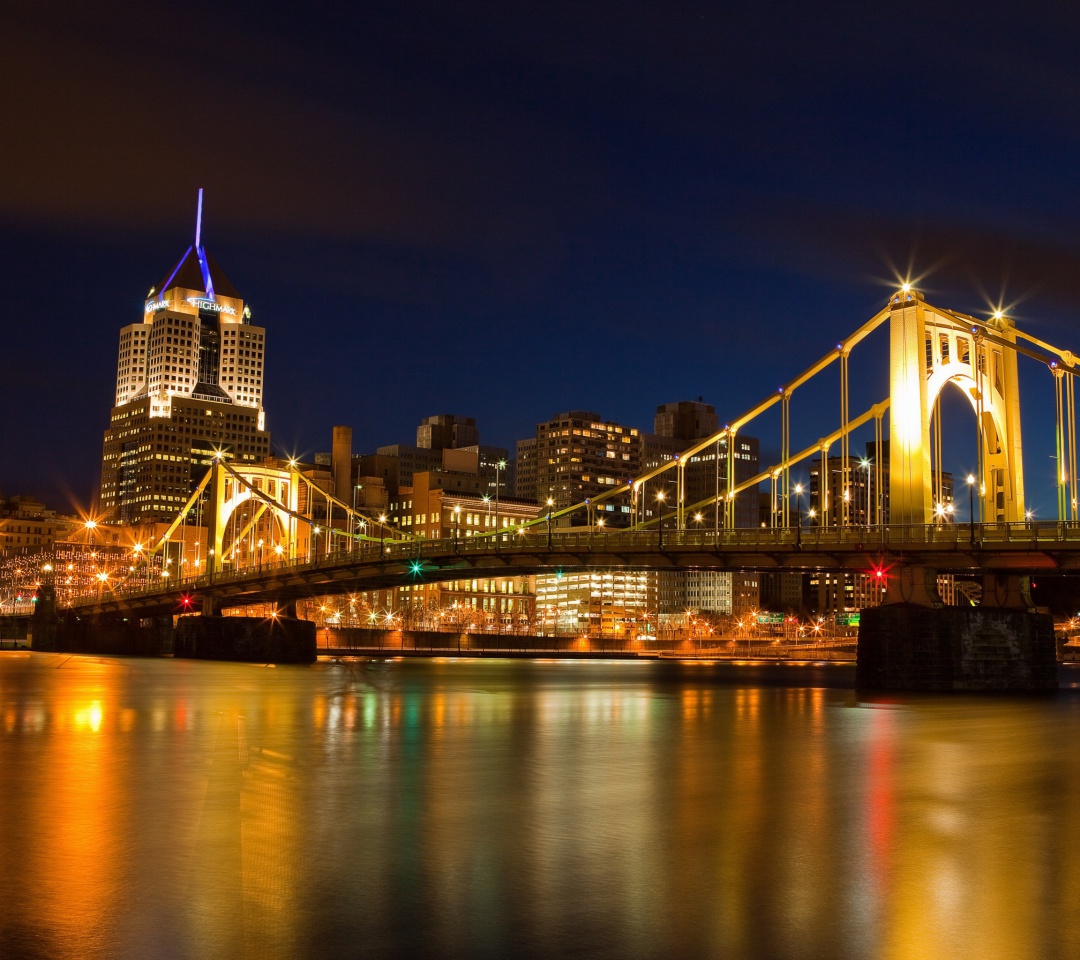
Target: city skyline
[493,219]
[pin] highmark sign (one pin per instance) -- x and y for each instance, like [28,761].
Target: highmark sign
[154,306]
[201,303]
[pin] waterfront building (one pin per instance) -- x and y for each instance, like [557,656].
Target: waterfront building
[676,427]
[446,504]
[27,526]
[443,442]
[525,469]
[577,456]
[189,385]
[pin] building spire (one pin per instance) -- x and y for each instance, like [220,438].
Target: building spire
[204,266]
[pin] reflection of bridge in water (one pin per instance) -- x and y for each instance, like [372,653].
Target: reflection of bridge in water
[879,515]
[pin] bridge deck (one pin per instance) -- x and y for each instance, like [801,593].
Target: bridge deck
[1019,548]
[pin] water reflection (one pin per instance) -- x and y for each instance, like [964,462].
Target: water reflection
[457,808]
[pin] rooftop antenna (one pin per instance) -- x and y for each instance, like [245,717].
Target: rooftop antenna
[198,221]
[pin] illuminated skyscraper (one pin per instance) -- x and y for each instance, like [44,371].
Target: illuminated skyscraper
[189,382]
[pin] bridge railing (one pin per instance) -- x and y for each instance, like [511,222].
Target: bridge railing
[620,544]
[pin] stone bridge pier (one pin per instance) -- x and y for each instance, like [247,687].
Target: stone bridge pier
[912,642]
[279,638]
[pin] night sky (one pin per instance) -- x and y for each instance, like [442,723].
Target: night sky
[504,211]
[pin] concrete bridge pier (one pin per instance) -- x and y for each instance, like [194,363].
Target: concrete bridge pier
[279,638]
[912,642]
[65,632]
[44,621]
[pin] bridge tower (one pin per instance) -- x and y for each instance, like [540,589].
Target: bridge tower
[273,492]
[928,350]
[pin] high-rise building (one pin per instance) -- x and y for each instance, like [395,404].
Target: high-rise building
[687,420]
[445,441]
[189,384]
[447,430]
[525,469]
[678,426]
[578,455]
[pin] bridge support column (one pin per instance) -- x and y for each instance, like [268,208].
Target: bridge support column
[44,622]
[280,639]
[1006,592]
[913,585]
[912,643]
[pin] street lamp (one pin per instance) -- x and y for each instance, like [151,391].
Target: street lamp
[798,503]
[660,515]
[457,526]
[382,540]
[971,506]
[356,489]
[865,464]
[499,466]
[550,506]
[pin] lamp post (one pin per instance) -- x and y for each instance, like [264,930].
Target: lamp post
[550,506]
[865,464]
[498,468]
[660,515]
[457,526]
[971,506]
[382,539]
[798,504]
[260,546]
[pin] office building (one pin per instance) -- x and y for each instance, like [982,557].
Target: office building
[578,455]
[189,385]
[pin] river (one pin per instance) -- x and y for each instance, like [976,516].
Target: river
[463,808]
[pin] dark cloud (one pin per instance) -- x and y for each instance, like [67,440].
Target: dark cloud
[1033,273]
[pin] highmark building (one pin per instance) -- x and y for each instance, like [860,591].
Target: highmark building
[189,383]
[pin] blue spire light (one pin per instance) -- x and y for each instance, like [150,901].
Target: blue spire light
[208,282]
